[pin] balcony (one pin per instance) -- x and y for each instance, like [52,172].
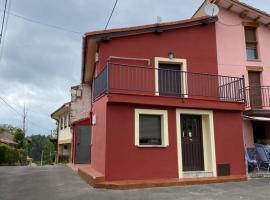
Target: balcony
[138,80]
[258,98]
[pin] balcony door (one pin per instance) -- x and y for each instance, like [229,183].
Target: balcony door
[255,93]
[169,77]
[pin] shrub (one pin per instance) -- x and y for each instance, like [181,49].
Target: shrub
[11,156]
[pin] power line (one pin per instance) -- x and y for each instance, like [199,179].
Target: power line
[11,107]
[3,20]
[116,1]
[21,115]
[44,24]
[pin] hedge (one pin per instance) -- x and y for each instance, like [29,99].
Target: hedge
[11,156]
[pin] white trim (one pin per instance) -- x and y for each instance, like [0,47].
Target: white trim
[208,139]
[182,65]
[164,126]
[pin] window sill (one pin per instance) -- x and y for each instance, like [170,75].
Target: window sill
[254,60]
[149,146]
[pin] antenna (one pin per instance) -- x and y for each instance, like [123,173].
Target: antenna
[159,19]
[211,10]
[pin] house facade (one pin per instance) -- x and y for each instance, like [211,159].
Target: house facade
[64,138]
[80,123]
[159,110]
[243,41]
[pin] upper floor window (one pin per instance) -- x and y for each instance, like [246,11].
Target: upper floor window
[251,43]
[61,123]
[65,121]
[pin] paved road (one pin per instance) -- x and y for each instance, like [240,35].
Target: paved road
[59,182]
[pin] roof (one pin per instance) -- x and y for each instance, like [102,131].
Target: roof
[90,43]
[241,8]
[147,26]
[7,141]
[58,111]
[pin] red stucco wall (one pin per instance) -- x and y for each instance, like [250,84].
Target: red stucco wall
[99,136]
[197,44]
[125,161]
[229,140]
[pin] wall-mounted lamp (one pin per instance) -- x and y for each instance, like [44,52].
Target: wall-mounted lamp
[171,55]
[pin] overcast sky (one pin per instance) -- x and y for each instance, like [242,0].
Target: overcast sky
[39,64]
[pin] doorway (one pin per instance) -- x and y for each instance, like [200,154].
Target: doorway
[192,144]
[255,93]
[83,144]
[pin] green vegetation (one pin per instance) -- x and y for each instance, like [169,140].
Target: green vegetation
[33,145]
[41,143]
[11,156]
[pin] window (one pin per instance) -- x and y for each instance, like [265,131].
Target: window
[65,121]
[251,43]
[151,128]
[61,123]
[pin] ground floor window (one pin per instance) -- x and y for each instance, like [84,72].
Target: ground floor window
[151,127]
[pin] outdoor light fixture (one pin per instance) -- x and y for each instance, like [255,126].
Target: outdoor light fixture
[171,55]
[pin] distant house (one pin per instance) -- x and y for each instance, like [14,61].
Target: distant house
[243,48]
[73,120]
[64,148]
[8,141]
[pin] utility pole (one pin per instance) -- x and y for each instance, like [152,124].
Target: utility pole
[41,161]
[24,118]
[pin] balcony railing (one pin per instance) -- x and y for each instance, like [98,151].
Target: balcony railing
[258,97]
[131,79]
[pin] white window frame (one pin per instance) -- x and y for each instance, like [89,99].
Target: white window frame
[164,126]
[182,67]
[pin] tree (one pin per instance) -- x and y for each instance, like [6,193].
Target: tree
[19,137]
[41,143]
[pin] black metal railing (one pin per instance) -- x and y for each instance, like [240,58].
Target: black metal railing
[122,78]
[101,83]
[258,97]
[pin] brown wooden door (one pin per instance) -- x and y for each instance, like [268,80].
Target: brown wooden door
[169,77]
[192,146]
[255,93]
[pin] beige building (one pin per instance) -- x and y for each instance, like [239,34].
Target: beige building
[62,116]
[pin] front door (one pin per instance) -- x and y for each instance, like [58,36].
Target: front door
[83,143]
[255,93]
[192,145]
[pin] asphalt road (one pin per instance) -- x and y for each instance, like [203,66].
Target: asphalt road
[59,182]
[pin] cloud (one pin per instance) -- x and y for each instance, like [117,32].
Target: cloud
[40,63]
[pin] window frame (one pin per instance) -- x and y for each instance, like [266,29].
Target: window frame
[252,44]
[164,126]
[182,67]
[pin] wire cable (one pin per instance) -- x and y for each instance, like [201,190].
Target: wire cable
[44,24]
[3,21]
[110,15]
[10,106]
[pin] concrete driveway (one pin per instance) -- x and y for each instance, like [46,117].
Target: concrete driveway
[59,182]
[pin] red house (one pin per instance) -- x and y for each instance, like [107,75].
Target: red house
[160,113]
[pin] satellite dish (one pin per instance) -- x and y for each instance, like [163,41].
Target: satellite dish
[211,10]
